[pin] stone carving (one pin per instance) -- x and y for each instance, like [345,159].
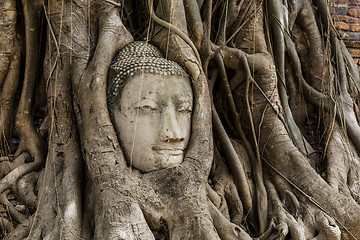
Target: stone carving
[150,101]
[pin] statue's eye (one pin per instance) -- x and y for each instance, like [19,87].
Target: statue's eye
[147,105]
[185,108]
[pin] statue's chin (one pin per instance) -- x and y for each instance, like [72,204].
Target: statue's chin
[160,160]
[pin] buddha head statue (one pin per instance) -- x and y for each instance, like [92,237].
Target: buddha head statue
[150,102]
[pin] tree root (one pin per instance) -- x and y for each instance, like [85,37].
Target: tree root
[9,71]
[8,19]
[223,184]
[21,232]
[286,223]
[235,165]
[5,226]
[338,155]
[226,229]
[255,159]
[14,213]
[327,228]
[174,29]
[29,138]
[25,189]
[173,201]
[8,91]
[15,174]
[280,26]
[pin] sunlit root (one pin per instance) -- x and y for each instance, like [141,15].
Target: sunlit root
[236,167]
[230,205]
[327,227]
[19,171]
[129,204]
[354,182]
[254,153]
[300,222]
[338,155]
[177,38]
[286,223]
[25,189]
[226,229]
[8,163]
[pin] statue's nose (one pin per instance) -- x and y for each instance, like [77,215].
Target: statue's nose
[170,129]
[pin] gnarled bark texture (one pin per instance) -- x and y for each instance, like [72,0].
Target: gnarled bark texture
[275,138]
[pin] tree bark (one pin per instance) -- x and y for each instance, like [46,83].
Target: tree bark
[274,147]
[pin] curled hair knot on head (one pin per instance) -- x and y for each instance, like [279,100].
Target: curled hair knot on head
[134,59]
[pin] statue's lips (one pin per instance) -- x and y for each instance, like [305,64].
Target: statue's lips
[169,151]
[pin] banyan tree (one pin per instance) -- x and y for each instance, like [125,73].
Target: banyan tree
[177,119]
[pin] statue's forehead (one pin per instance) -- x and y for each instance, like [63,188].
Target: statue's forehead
[162,90]
[155,85]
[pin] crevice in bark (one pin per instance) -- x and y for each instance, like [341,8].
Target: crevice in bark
[285,158]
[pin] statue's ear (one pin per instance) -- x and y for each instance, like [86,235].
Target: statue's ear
[111,75]
[112,99]
[111,79]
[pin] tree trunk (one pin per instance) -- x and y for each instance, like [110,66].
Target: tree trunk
[274,145]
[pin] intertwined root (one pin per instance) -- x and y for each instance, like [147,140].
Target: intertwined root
[298,218]
[274,184]
[15,167]
[9,71]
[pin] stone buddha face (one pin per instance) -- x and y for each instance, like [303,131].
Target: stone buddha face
[150,101]
[154,120]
